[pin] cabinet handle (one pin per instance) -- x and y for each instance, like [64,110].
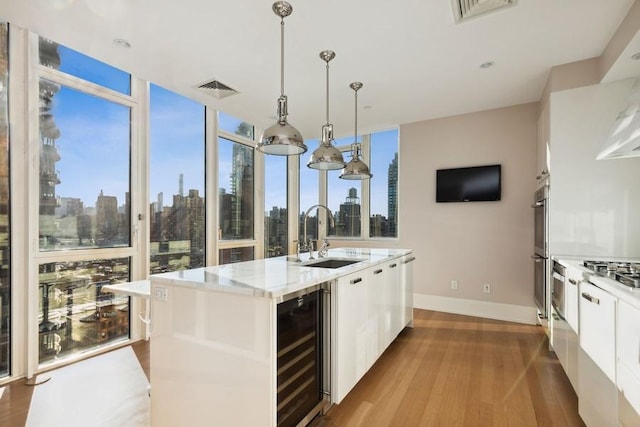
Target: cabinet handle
[573,281]
[354,281]
[393,265]
[377,271]
[410,259]
[590,298]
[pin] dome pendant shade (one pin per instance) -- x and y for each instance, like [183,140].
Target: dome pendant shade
[282,139]
[326,156]
[356,168]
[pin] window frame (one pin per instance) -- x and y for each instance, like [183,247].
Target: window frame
[138,153]
[257,242]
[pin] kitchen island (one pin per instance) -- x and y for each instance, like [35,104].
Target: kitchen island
[217,356]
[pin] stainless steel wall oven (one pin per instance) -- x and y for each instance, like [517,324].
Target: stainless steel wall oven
[541,250]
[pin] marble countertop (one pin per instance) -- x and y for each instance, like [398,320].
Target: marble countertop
[624,293]
[274,277]
[138,288]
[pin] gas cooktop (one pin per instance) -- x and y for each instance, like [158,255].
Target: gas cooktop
[626,273]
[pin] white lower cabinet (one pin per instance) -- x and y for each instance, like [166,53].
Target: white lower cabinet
[597,395]
[406,290]
[370,312]
[628,372]
[351,329]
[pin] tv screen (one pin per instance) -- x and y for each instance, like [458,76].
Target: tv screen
[473,184]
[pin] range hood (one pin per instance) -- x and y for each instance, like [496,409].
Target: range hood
[624,140]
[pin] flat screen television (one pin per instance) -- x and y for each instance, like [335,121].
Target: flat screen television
[472,184]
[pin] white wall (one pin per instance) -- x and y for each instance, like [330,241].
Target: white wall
[594,204]
[473,243]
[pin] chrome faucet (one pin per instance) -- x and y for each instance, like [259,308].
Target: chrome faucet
[306,244]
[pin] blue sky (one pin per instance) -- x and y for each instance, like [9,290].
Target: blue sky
[94,147]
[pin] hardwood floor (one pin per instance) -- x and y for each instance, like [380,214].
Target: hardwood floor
[109,390]
[452,370]
[449,370]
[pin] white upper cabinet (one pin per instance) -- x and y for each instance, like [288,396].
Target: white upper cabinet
[592,203]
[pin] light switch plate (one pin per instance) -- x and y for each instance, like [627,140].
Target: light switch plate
[161,294]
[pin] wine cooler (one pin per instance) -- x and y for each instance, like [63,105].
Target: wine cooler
[299,358]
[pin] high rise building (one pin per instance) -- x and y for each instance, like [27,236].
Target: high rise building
[106,220]
[392,197]
[349,216]
[242,192]
[49,155]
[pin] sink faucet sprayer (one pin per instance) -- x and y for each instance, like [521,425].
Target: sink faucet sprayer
[307,244]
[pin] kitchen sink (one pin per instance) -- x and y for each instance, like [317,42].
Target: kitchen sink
[331,263]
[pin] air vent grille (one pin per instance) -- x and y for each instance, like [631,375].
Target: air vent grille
[467,9]
[216,89]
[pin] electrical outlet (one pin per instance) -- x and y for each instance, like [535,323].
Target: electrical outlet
[486,287]
[454,285]
[161,294]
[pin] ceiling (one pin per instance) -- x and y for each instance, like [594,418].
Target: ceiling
[415,62]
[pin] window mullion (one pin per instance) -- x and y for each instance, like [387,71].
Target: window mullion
[366,190]
[211,190]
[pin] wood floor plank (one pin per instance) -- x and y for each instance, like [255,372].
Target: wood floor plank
[452,370]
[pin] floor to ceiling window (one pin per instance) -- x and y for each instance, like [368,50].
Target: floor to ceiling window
[344,198]
[309,195]
[177,177]
[383,190]
[275,204]
[236,191]
[84,202]
[5,284]
[351,201]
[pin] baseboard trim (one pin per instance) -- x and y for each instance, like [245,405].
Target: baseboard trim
[486,309]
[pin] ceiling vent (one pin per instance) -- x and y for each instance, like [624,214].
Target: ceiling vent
[464,10]
[216,89]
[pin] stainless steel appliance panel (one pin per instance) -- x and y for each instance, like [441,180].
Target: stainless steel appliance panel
[539,288]
[541,251]
[541,236]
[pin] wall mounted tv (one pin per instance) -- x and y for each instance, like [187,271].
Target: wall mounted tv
[473,184]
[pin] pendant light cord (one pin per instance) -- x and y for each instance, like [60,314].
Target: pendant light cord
[355,133]
[327,92]
[282,57]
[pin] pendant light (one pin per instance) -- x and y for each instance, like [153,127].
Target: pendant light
[326,156]
[282,139]
[356,168]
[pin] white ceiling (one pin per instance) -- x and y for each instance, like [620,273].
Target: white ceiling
[414,61]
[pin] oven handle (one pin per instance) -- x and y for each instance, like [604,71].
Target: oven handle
[537,205]
[537,258]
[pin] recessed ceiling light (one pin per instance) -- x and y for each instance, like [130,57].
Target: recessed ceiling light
[636,56]
[122,43]
[487,64]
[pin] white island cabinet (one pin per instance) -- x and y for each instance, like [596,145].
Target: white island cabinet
[214,340]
